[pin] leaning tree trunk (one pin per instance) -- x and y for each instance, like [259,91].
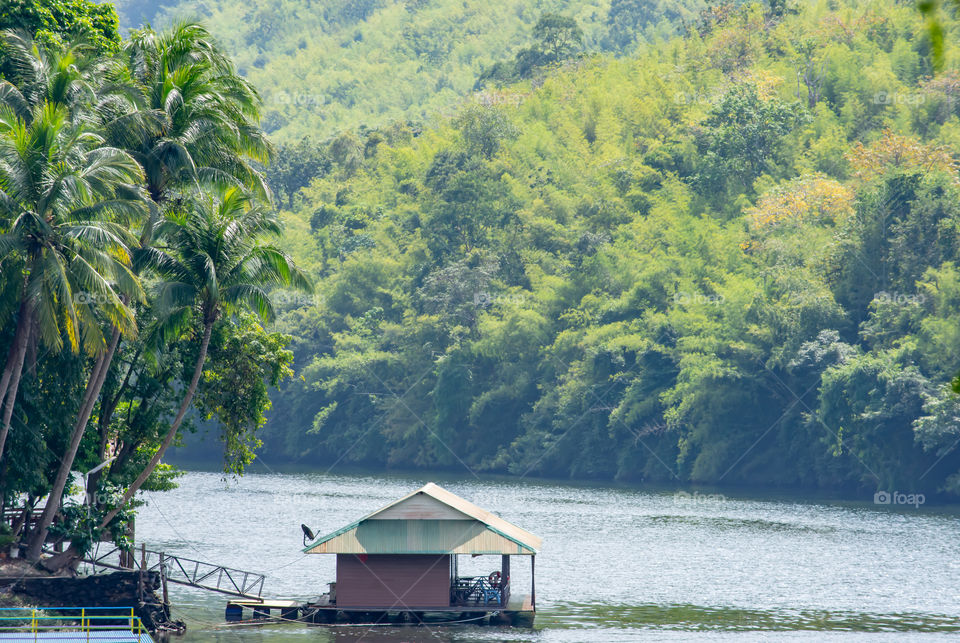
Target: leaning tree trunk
[10,380]
[59,561]
[172,433]
[94,383]
[108,406]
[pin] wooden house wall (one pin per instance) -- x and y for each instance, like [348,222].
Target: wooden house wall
[391,581]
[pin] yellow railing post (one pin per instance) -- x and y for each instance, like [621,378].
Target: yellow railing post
[131,620]
[84,627]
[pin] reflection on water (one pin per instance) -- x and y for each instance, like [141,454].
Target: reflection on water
[698,618]
[617,563]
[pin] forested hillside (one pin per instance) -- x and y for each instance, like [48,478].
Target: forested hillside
[730,258]
[325,66]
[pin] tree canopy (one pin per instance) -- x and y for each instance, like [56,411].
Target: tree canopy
[58,22]
[134,223]
[729,259]
[325,67]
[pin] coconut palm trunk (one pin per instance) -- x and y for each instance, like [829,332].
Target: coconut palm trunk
[174,426]
[222,262]
[98,376]
[10,382]
[108,405]
[59,561]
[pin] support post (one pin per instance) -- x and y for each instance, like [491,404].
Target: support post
[143,567]
[533,582]
[163,582]
[504,579]
[132,537]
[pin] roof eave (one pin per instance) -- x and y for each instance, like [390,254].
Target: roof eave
[332,535]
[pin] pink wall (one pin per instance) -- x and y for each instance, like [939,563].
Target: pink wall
[393,581]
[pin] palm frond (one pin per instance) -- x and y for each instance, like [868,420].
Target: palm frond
[250,296]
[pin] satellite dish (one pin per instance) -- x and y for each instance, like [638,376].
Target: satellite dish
[307,534]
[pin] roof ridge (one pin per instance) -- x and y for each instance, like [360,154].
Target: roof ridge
[492,521]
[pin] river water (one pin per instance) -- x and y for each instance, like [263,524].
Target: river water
[617,563]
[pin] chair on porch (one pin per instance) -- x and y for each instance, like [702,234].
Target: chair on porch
[491,595]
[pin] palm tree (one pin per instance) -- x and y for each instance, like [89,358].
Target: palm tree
[180,109]
[190,120]
[208,114]
[68,80]
[64,200]
[220,262]
[61,77]
[177,105]
[208,136]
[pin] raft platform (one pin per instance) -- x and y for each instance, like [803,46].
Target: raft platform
[400,564]
[518,611]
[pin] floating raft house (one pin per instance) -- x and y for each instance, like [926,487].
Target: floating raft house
[401,562]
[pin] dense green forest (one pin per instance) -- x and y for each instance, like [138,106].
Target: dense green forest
[323,66]
[718,246]
[730,258]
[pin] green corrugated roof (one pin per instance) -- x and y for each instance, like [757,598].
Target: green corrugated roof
[478,532]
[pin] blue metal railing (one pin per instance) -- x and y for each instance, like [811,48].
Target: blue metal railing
[476,590]
[79,623]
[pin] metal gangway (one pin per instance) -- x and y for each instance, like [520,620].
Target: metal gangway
[183,571]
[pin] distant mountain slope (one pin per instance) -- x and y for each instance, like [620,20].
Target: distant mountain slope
[324,66]
[731,259]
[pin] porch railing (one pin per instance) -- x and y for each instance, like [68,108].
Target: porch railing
[473,591]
